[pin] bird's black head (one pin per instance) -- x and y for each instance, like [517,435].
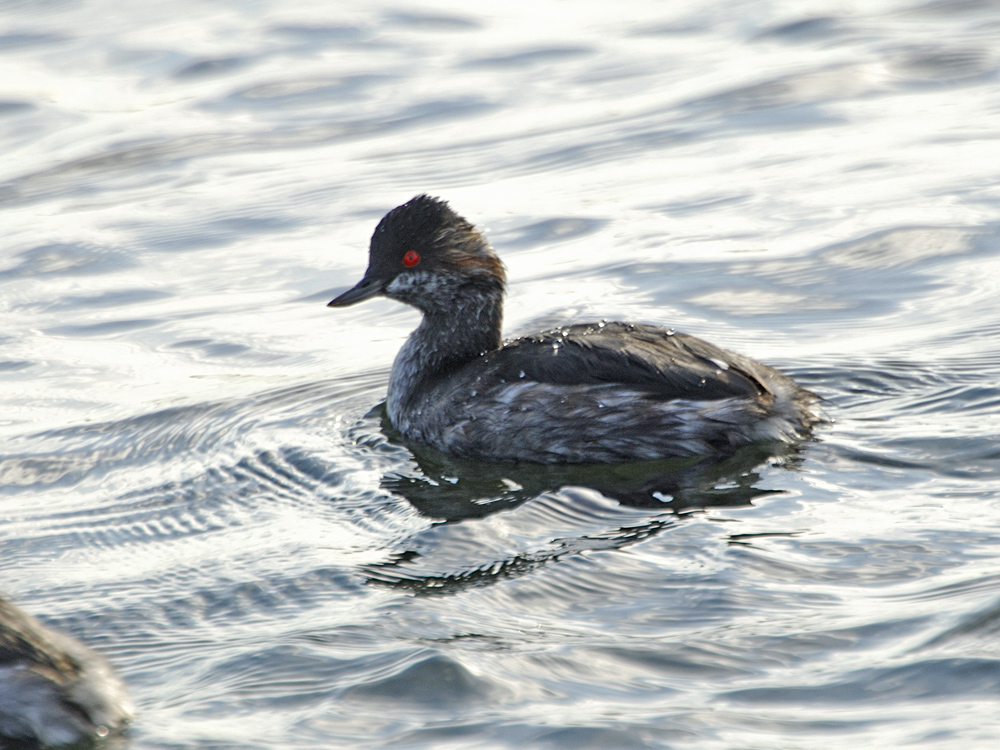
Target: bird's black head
[422,253]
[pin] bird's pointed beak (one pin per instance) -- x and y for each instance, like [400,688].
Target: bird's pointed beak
[369,286]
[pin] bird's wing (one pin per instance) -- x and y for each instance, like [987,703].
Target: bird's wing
[661,363]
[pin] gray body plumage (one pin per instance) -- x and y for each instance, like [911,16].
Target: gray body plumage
[498,407]
[601,392]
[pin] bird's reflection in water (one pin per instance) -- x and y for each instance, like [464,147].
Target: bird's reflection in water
[494,521]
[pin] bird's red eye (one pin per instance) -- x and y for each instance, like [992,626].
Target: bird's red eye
[411,258]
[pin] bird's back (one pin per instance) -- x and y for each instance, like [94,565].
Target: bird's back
[608,392]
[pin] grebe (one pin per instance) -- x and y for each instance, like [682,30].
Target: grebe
[54,691]
[588,393]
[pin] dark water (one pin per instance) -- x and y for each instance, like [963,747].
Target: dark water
[195,478]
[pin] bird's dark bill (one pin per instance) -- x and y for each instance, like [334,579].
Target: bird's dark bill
[363,290]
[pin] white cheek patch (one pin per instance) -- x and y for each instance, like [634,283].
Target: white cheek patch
[405,282]
[428,283]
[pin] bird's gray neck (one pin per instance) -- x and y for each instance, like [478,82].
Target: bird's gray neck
[443,342]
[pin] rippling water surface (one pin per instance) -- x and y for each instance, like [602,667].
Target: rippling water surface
[195,475]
